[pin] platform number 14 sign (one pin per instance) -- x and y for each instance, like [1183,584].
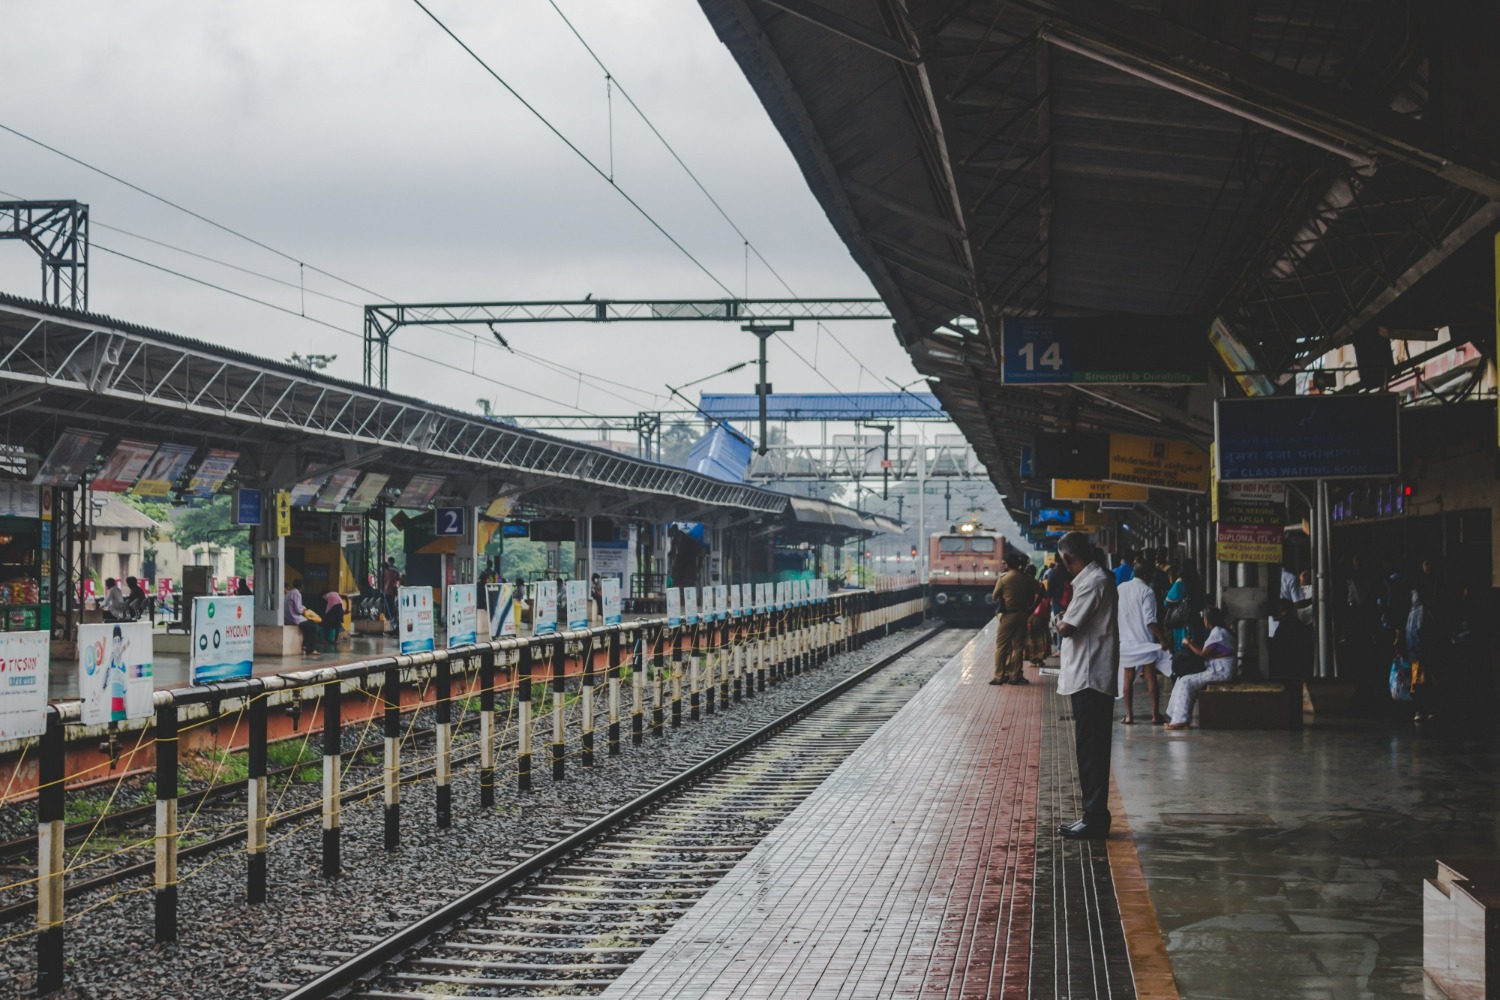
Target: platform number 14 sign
[1036,351]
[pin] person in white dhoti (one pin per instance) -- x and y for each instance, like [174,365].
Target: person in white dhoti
[1143,644]
[1218,663]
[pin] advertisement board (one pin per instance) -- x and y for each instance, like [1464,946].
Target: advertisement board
[211,473]
[24,665]
[709,611]
[1251,518]
[414,619]
[544,611]
[500,599]
[419,491]
[115,678]
[674,607]
[223,639]
[69,458]
[1308,437]
[1248,543]
[124,466]
[337,489]
[690,605]
[368,490]
[611,600]
[721,602]
[462,611]
[19,500]
[162,470]
[578,604]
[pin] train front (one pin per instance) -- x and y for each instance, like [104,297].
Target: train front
[965,562]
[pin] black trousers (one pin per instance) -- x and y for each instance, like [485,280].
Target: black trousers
[1093,715]
[309,636]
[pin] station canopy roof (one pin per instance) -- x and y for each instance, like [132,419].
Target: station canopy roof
[62,369]
[1291,169]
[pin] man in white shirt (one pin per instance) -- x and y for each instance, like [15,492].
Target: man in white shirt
[1142,644]
[114,601]
[1090,657]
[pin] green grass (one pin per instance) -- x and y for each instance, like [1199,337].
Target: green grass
[295,753]
[79,811]
[230,766]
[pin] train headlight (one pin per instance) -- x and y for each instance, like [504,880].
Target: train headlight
[941,597]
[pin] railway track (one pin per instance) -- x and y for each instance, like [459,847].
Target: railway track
[568,918]
[226,798]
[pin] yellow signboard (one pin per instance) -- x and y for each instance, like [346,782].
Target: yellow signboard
[1093,489]
[1160,463]
[1213,483]
[283,514]
[1248,543]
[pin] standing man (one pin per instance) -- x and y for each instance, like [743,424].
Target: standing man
[1143,645]
[390,584]
[1014,596]
[1090,659]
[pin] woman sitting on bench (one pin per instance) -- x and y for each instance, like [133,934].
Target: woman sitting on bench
[1217,652]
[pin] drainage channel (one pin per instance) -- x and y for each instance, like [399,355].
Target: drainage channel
[566,921]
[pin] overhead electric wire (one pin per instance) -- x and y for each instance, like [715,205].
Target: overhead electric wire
[569,143]
[453,332]
[339,329]
[749,246]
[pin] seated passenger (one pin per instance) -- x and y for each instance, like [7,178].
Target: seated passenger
[1218,663]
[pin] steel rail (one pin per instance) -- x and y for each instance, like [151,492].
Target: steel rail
[393,947]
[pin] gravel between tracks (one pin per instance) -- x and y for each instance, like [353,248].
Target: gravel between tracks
[227,948]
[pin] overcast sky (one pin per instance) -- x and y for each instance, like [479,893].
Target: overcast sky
[356,137]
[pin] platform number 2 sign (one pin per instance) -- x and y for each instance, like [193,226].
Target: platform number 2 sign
[449,521]
[1037,350]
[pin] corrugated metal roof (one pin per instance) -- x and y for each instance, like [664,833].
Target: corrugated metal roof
[111,511]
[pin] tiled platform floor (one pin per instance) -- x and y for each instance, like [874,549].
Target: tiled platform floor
[910,872]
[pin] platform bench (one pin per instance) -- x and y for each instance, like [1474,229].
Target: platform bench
[1249,705]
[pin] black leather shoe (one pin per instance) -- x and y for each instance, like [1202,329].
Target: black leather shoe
[1082,832]
[1077,824]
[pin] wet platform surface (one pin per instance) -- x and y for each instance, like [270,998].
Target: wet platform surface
[1290,864]
[923,867]
[1249,865]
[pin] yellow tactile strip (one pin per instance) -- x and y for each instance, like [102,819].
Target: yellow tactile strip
[1149,965]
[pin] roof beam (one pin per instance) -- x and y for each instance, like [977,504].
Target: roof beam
[848,28]
[1348,124]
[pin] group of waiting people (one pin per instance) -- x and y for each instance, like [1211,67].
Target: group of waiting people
[1164,626]
[124,605]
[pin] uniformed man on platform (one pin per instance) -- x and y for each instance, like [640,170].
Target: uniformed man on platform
[1014,596]
[1090,662]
